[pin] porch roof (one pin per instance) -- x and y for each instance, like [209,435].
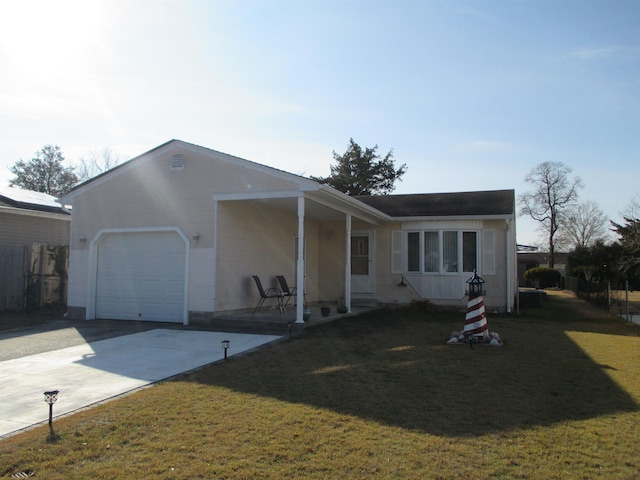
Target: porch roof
[321,202]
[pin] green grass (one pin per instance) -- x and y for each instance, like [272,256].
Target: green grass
[376,396]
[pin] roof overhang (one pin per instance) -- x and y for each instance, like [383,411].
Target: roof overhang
[321,203]
[35,213]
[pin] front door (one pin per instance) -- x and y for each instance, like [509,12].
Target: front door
[362,265]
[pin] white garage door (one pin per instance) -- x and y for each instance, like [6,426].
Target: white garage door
[141,276]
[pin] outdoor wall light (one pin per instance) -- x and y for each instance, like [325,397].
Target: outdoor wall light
[195,237]
[51,397]
[225,346]
[83,241]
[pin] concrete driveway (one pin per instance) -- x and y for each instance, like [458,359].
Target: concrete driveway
[87,370]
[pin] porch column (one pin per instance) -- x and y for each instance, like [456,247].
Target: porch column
[347,264]
[300,263]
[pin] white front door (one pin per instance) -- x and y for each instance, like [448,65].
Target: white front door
[362,264]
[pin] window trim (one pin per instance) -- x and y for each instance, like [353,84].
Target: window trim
[459,251]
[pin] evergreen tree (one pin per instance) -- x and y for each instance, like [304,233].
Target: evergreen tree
[363,172]
[44,173]
[629,260]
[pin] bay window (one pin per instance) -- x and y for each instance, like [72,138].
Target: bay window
[442,251]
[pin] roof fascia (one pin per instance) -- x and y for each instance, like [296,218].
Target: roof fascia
[331,197]
[257,195]
[35,213]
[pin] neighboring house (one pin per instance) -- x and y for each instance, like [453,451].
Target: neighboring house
[29,217]
[34,235]
[177,233]
[528,259]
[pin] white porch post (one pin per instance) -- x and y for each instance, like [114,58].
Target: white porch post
[215,253]
[300,263]
[507,245]
[347,264]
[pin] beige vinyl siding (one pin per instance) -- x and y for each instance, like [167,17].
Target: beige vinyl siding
[388,288]
[154,196]
[256,240]
[22,229]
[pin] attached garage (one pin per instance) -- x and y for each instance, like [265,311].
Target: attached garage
[141,276]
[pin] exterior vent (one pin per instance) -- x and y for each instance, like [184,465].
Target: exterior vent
[177,162]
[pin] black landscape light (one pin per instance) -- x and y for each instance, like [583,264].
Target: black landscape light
[50,398]
[290,325]
[225,346]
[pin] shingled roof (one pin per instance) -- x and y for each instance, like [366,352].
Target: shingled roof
[487,203]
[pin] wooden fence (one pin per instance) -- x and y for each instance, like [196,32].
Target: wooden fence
[33,277]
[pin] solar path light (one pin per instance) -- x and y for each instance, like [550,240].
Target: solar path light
[225,346]
[50,398]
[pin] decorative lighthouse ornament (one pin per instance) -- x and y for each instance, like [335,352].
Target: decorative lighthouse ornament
[476,327]
[475,322]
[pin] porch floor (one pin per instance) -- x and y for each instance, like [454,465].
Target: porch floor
[266,321]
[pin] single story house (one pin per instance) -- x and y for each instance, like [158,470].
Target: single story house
[177,233]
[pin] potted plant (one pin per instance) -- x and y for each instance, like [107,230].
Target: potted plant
[325,311]
[342,308]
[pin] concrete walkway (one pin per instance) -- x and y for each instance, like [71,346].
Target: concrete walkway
[92,372]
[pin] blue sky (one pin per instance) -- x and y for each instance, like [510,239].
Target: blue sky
[470,95]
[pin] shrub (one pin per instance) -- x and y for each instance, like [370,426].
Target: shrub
[545,276]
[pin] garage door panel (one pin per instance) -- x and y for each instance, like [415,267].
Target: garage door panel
[141,276]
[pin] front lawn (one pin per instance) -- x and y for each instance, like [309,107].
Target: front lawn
[376,396]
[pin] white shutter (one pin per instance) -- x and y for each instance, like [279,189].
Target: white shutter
[488,252]
[396,251]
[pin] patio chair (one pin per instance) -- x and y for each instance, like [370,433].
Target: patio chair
[288,292]
[268,293]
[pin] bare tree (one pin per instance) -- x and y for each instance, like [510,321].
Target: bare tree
[96,162]
[582,225]
[554,191]
[633,209]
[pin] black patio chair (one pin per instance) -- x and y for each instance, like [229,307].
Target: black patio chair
[268,293]
[288,292]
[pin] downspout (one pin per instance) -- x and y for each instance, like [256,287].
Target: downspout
[347,264]
[508,264]
[300,263]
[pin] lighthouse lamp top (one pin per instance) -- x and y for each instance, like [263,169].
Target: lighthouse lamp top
[475,279]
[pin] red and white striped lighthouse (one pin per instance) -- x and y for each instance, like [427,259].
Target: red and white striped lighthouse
[476,327]
[476,320]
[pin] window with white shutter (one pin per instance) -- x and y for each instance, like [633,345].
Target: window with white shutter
[488,252]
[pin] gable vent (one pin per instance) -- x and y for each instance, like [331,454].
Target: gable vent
[177,162]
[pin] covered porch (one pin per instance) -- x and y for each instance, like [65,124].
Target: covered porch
[303,234]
